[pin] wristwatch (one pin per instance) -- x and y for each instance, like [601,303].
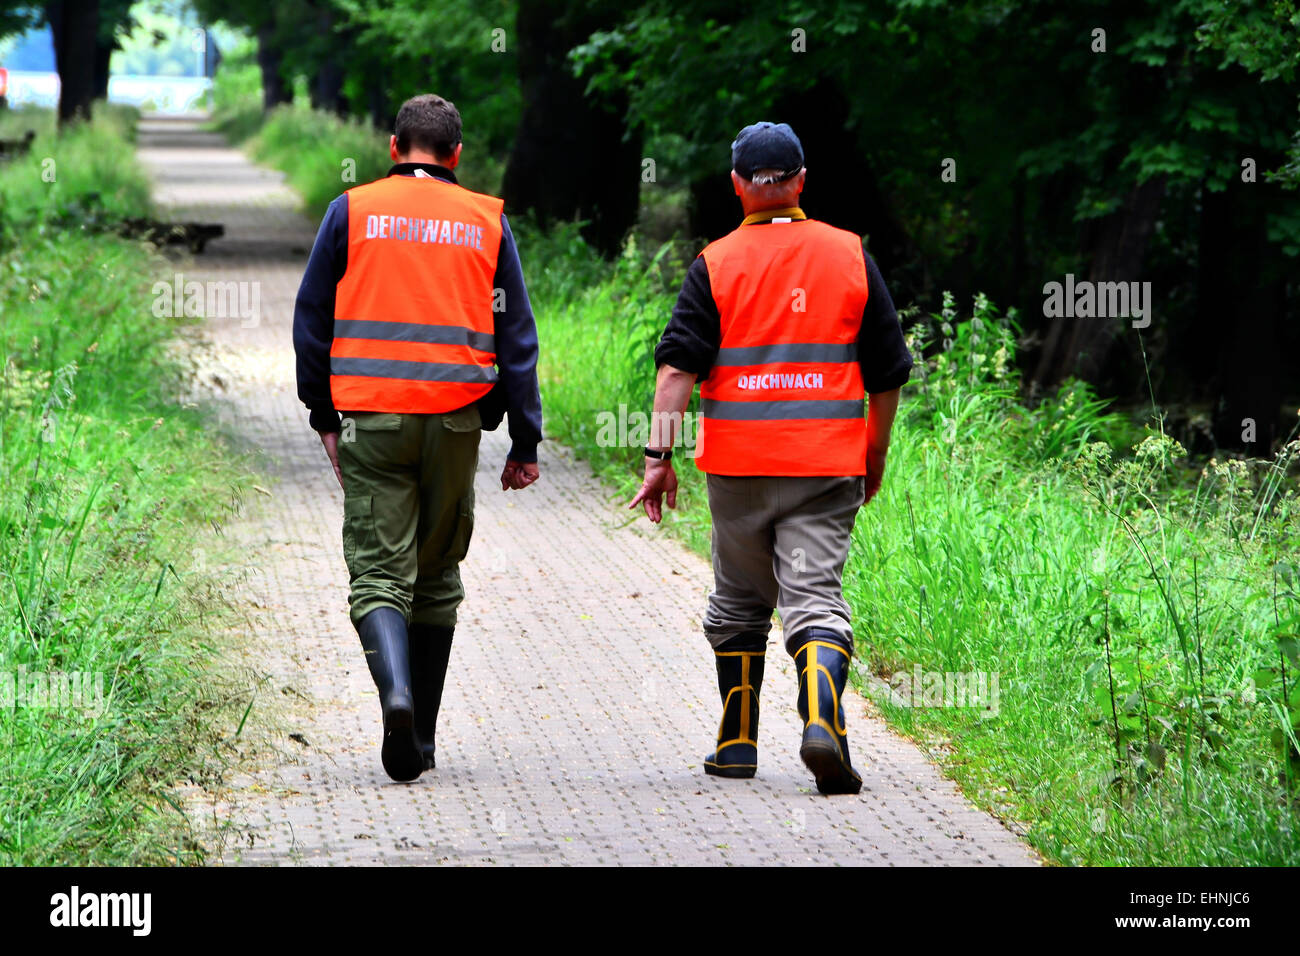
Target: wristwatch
[665,455]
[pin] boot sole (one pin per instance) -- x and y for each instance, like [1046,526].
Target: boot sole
[733,772]
[400,754]
[833,778]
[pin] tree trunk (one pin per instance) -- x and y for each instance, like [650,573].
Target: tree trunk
[75,27]
[327,90]
[570,158]
[274,90]
[103,56]
[1246,313]
[1017,235]
[377,105]
[327,86]
[1079,346]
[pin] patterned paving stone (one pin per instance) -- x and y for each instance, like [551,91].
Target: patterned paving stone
[581,698]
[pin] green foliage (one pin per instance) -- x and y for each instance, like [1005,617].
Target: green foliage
[108,486]
[237,93]
[323,155]
[392,50]
[1262,37]
[317,150]
[446,50]
[1176,97]
[1121,601]
[85,178]
[156,41]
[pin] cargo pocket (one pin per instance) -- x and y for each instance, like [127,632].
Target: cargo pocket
[375,421]
[358,529]
[465,419]
[464,529]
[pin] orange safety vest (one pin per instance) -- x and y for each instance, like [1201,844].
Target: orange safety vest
[785,394]
[413,313]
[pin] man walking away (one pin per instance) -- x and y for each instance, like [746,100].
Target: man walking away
[788,326]
[413,330]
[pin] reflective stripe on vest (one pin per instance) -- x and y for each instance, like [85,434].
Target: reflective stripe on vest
[413,314]
[785,395]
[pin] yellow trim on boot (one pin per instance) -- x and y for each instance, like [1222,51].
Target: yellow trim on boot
[835,729]
[744,700]
[746,734]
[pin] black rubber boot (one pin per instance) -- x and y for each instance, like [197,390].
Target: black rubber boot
[823,664]
[383,636]
[740,680]
[430,652]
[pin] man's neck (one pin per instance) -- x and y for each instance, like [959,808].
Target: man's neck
[416,156]
[434,170]
[769,213]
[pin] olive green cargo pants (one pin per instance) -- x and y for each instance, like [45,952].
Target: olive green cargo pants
[408,510]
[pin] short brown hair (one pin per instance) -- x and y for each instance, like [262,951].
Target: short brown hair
[429,123]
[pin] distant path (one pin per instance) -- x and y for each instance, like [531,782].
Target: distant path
[581,699]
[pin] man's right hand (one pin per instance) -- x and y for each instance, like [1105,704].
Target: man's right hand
[658,488]
[875,472]
[331,442]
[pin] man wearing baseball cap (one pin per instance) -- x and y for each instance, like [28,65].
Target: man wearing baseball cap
[788,327]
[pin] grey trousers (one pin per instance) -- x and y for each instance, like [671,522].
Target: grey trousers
[780,543]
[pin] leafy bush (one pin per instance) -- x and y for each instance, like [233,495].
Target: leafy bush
[237,92]
[86,177]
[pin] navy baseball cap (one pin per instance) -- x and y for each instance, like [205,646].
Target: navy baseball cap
[766,146]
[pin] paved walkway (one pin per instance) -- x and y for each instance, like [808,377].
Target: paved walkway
[581,698]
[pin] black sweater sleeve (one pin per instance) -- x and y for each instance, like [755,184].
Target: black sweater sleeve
[694,332]
[883,355]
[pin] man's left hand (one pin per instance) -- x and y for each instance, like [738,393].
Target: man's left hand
[518,475]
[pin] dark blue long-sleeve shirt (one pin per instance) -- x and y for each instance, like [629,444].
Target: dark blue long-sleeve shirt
[516,390]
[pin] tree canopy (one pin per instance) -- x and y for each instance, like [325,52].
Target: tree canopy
[986,145]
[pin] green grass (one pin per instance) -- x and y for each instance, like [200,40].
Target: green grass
[1131,617]
[110,494]
[78,181]
[1023,543]
[322,155]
